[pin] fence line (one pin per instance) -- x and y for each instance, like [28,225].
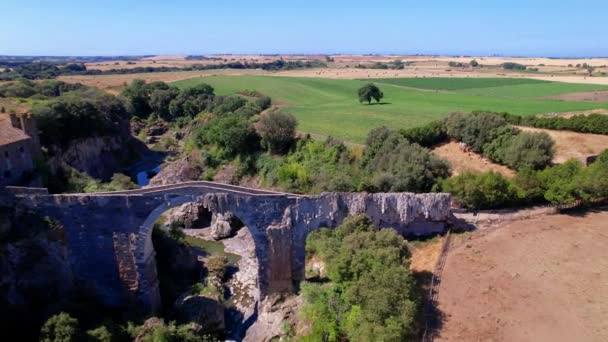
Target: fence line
[430,314]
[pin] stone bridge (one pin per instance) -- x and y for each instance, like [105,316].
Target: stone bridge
[109,243]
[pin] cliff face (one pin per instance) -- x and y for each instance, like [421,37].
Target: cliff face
[99,157]
[34,272]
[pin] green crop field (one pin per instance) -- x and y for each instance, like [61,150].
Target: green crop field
[330,106]
[455,83]
[493,87]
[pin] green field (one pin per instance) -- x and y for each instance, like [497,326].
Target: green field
[330,106]
[494,87]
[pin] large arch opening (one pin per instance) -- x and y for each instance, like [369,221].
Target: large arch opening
[188,240]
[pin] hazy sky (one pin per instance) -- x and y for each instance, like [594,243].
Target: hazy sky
[134,27]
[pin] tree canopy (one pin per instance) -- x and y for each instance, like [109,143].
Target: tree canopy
[370,92]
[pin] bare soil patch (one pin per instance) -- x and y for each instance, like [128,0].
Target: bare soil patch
[590,96]
[573,145]
[462,161]
[581,112]
[540,279]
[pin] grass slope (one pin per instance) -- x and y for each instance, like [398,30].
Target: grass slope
[455,83]
[330,106]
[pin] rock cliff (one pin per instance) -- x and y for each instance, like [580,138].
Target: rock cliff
[99,157]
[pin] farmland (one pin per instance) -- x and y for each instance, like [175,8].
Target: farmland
[330,106]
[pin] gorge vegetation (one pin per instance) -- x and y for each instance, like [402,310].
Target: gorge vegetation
[371,294]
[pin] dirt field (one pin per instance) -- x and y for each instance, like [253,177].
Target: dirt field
[114,83]
[461,161]
[569,145]
[592,96]
[542,279]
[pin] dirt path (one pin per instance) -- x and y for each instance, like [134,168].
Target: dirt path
[541,279]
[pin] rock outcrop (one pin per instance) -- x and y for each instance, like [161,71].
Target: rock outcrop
[184,169]
[224,225]
[191,215]
[99,157]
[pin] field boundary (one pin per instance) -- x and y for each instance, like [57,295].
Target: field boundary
[430,313]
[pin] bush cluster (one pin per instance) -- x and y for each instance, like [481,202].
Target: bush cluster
[40,90]
[79,114]
[513,66]
[371,295]
[398,165]
[560,184]
[593,123]
[490,134]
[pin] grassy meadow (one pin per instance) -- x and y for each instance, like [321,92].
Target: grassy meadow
[330,106]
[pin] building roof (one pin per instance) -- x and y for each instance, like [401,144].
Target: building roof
[8,133]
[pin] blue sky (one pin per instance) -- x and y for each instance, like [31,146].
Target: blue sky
[557,28]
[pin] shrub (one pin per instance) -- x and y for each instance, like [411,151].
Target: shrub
[216,265]
[475,130]
[559,184]
[277,131]
[412,167]
[520,150]
[529,150]
[60,328]
[264,102]
[428,135]
[232,133]
[480,191]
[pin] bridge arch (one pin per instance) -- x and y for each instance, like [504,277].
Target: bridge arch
[242,208]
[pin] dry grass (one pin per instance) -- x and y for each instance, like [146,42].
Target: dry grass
[573,145]
[426,255]
[115,83]
[461,161]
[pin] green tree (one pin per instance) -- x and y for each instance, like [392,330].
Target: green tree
[60,328]
[232,133]
[370,92]
[277,131]
[372,295]
[474,63]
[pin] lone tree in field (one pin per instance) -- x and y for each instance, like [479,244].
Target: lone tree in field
[368,92]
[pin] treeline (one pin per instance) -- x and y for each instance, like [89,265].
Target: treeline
[78,112]
[395,65]
[171,103]
[43,90]
[487,133]
[492,136]
[371,295]
[35,71]
[566,183]
[513,66]
[592,123]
